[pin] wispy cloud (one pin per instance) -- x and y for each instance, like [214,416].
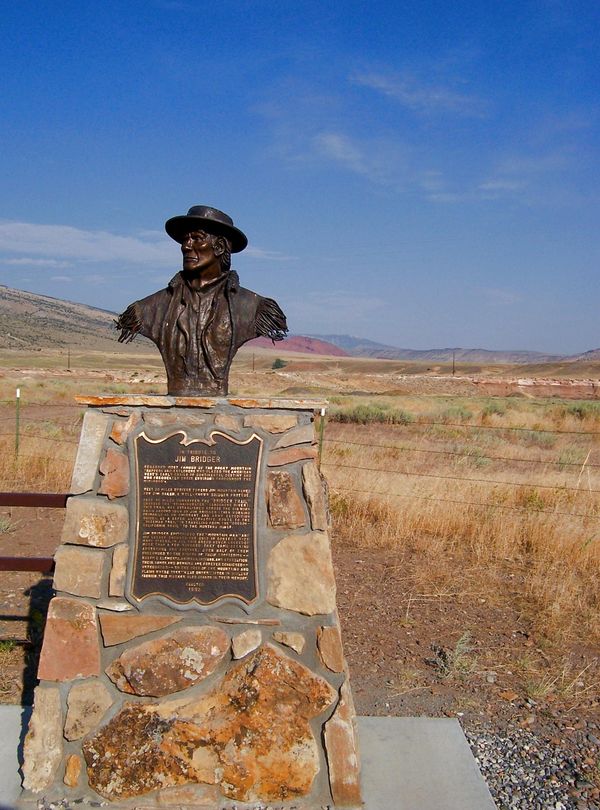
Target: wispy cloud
[28,261]
[422,97]
[60,278]
[382,161]
[55,245]
[57,242]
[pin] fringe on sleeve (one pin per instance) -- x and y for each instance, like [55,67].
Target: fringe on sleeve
[270,321]
[129,322]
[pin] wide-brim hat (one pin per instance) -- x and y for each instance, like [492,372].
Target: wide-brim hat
[206,218]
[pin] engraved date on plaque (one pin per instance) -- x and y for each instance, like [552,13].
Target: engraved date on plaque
[196,526]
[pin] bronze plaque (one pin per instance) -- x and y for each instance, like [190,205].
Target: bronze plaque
[196,513]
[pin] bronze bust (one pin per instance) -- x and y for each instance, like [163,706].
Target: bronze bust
[203,316]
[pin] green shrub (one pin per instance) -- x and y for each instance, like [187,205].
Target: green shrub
[278,363]
[371,414]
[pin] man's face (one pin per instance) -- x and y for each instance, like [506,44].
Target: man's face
[199,256]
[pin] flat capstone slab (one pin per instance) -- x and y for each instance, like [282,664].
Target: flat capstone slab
[408,763]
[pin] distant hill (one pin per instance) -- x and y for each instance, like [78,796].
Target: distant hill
[299,343]
[30,321]
[361,347]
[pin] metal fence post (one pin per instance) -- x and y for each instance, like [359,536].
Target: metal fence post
[321,433]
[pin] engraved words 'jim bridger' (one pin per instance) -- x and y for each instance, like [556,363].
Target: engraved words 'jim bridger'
[196,521]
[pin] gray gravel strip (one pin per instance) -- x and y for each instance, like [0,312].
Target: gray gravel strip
[524,772]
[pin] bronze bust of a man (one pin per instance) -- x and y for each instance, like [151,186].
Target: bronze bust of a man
[203,316]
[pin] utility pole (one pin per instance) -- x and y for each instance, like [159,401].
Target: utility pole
[17,421]
[453,362]
[68,359]
[253,362]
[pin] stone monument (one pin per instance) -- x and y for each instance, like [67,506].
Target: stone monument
[192,655]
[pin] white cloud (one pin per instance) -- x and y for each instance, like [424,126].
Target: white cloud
[380,160]
[60,278]
[55,242]
[28,261]
[421,97]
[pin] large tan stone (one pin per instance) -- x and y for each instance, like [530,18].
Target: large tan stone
[329,643]
[118,570]
[283,502]
[169,664]
[250,735]
[271,422]
[95,522]
[115,474]
[87,703]
[70,648]
[299,435]
[289,455]
[43,746]
[300,574]
[315,492]
[79,571]
[341,747]
[91,439]
[122,428]
[116,629]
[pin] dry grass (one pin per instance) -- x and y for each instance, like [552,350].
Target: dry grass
[534,539]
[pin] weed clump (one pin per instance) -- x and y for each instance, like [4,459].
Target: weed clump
[371,414]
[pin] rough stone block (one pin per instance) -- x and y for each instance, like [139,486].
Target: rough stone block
[227,421]
[250,735]
[91,439]
[283,502]
[87,703]
[95,522]
[341,748]
[122,428]
[299,435]
[79,570]
[295,641]
[171,663]
[315,492]
[245,642]
[117,629]
[329,643]
[118,571]
[288,455]
[271,422]
[115,474]
[43,747]
[70,647]
[300,574]
[72,771]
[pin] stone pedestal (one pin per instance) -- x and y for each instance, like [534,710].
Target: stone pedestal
[192,655]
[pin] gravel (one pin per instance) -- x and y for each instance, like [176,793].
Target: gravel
[525,772]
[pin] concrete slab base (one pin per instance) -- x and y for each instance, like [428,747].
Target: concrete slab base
[408,763]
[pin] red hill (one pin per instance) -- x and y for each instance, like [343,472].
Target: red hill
[299,343]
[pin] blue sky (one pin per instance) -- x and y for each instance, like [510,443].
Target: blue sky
[425,174]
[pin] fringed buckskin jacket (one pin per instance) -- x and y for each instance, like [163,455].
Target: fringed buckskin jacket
[199,332]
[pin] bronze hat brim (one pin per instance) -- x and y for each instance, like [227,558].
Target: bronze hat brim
[179,227]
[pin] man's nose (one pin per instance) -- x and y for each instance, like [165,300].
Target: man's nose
[186,243]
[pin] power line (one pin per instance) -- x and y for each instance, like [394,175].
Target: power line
[464,455]
[458,478]
[485,505]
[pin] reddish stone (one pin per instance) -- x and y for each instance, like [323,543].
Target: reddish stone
[72,771]
[70,647]
[284,504]
[118,571]
[87,703]
[117,629]
[288,455]
[329,642]
[299,435]
[95,522]
[79,570]
[115,469]
[300,574]
[121,429]
[171,663]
